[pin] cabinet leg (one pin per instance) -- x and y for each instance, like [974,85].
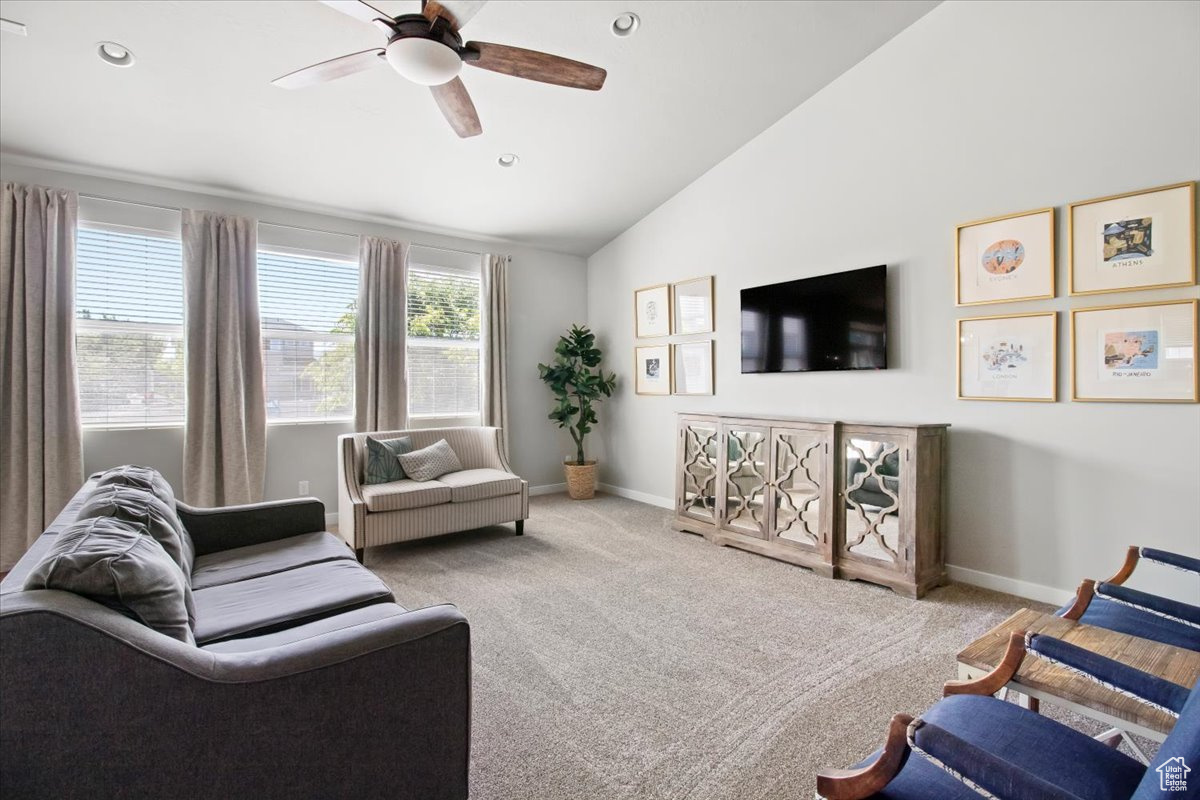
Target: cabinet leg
[520,527]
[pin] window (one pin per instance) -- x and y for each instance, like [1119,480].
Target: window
[443,341]
[129,326]
[308,307]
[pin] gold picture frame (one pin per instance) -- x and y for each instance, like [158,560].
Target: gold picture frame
[1180,217]
[678,317]
[680,361]
[652,379]
[1189,387]
[1045,360]
[1037,283]
[650,321]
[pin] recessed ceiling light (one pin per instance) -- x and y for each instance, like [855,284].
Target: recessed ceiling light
[15,28]
[625,24]
[116,54]
[508,160]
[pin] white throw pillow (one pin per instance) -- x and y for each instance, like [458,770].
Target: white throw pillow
[430,462]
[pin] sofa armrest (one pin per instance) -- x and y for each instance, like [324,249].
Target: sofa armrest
[216,529]
[373,710]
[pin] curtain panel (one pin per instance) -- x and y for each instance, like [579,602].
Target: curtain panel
[225,435]
[41,459]
[494,357]
[380,380]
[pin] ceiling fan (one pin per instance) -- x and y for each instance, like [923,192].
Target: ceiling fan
[427,49]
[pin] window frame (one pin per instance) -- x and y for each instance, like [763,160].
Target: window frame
[85,325]
[306,336]
[431,420]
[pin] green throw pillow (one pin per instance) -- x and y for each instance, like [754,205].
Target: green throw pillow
[382,464]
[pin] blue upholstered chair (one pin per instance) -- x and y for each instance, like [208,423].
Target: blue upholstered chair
[970,744]
[1109,604]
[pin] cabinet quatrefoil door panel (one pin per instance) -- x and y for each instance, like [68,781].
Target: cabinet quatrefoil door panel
[843,499]
[746,481]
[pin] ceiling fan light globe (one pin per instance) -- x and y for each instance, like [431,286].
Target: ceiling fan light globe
[423,61]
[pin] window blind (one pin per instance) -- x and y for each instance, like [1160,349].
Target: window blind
[443,341]
[308,309]
[129,327]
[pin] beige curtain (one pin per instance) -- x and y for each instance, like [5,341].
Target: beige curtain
[380,382]
[225,438]
[41,450]
[494,352]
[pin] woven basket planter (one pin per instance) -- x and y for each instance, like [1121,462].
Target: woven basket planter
[581,480]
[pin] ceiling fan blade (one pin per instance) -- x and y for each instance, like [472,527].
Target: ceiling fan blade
[456,12]
[329,70]
[535,66]
[365,12]
[456,106]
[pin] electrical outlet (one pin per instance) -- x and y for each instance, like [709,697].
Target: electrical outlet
[304,487]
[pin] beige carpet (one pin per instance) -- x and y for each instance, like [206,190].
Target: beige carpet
[617,658]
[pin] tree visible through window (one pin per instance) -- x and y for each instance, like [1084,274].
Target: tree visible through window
[443,342]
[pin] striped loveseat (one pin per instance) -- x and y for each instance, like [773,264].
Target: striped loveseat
[485,492]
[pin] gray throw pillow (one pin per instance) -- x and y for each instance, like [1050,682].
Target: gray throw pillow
[382,463]
[143,478]
[116,563]
[139,507]
[430,462]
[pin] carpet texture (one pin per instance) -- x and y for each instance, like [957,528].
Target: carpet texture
[617,658]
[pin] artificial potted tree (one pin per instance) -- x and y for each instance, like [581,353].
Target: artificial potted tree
[577,381]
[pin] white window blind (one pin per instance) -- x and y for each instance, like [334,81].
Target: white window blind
[129,326]
[308,309]
[443,341]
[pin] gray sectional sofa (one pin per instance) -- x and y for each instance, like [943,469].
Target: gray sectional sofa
[302,677]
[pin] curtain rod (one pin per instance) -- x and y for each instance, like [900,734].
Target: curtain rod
[276,224]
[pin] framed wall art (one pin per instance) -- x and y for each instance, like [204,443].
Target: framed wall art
[652,311]
[1009,357]
[1137,240]
[1135,353]
[692,368]
[1005,259]
[692,306]
[652,368]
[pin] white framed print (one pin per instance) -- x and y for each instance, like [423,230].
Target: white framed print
[692,306]
[652,311]
[1013,357]
[1005,259]
[692,368]
[1137,240]
[1137,353]
[652,368]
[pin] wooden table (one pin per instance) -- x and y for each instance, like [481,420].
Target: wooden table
[1038,679]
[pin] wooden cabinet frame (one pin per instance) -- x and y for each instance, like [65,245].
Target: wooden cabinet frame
[819,474]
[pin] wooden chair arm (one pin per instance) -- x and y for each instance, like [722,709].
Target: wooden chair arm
[1131,560]
[856,784]
[999,677]
[1083,598]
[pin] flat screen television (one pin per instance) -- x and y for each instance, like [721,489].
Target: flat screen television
[830,322]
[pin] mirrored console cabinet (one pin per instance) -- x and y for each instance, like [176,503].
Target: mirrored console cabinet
[844,499]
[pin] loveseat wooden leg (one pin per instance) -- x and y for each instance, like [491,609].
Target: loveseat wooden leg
[360,553]
[520,527]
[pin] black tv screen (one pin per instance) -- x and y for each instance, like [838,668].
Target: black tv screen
[830,322]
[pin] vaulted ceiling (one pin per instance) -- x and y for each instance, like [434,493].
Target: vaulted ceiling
[696,81]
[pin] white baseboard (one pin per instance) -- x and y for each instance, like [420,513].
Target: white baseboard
[1000,583]
[641,497]
[330,519]
[549,488]
[974,577]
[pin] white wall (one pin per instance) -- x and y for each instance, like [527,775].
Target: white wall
[976,110]
[548,294]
